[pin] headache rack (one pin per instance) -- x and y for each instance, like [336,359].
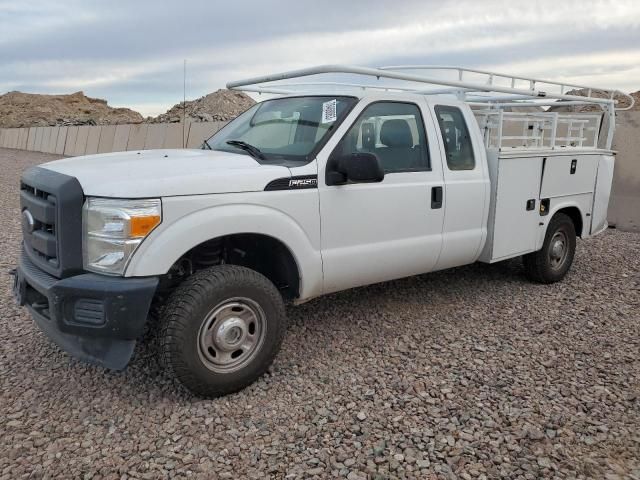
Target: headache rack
[495,98]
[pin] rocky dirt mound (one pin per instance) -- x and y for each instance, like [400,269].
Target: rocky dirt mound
[622,101]
[222,105]
[19,109]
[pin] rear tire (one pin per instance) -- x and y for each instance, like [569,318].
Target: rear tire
[551,263]
[221,329]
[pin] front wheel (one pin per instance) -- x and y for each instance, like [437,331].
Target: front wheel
[221,329]
[551,263]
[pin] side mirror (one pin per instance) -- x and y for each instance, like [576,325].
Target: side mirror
[356,167]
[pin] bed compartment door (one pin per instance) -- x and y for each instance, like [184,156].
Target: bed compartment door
[569,175]
[517,207]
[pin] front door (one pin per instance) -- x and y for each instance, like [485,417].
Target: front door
[373,232]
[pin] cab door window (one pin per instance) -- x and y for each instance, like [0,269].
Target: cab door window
[394,132]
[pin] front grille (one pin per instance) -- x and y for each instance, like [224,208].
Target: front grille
[51,216]
[39,223]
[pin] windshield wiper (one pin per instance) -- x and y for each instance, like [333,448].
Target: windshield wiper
[207,144]
[253,151]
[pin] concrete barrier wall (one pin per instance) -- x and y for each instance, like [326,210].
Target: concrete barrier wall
[31,141]
[107,133]
[23,138]
[44,139]
[62,137]
[137,136]
[38,139]
[155,136]
[93,138]
[70,142]
[624,207]
[199,132]
[53,140]
[9,138]
[87,140]
[121,138]
[174,135]
[81,140]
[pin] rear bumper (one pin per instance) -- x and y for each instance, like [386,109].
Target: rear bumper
[95,318]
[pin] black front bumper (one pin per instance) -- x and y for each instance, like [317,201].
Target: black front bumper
[95,318]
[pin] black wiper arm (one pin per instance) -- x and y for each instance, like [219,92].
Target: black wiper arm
[253,151]
[207,144]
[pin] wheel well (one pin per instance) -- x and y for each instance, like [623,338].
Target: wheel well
[576,217]
[262,253]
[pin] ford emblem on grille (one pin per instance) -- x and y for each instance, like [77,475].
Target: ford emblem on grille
[28,222]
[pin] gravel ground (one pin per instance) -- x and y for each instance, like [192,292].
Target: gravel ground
[468,373]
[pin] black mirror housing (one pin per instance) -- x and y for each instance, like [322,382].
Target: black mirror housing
[363,168]
[357,168]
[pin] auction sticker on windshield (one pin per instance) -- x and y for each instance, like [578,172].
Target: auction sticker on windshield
[329,111]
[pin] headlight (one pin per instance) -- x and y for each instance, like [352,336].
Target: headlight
[112,229]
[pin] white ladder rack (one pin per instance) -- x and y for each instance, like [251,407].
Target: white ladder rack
[403,78]
[544,130]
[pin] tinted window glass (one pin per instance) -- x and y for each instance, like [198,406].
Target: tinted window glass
[394,132]
[457,142]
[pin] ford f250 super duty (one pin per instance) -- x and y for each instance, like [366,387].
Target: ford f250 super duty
[324,186]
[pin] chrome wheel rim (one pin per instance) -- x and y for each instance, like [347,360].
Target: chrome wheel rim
[558,249]
[231,335]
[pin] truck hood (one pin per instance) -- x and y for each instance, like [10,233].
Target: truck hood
[163,173]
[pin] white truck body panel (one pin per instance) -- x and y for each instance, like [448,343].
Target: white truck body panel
[517,176]
[602,194]
[466,195]
[290,216]
[167,173]
[557,179]
[512,229]
[374,232]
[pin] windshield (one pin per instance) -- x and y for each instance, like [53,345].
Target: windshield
[283,128]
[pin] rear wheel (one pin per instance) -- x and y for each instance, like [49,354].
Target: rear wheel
[551,263]
[221,329]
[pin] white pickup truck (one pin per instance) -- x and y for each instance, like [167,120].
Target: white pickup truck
[324,186]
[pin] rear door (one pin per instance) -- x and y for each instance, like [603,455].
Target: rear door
[467,187]
[372,232]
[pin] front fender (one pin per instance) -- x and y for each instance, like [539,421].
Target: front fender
[184,226]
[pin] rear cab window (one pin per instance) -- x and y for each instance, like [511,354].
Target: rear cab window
[456,138]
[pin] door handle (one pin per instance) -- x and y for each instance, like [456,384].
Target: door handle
[436,197]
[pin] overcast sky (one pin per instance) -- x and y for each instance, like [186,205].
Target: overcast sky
[131,52]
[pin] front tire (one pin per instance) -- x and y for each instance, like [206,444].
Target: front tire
[221,329]
[551,263]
